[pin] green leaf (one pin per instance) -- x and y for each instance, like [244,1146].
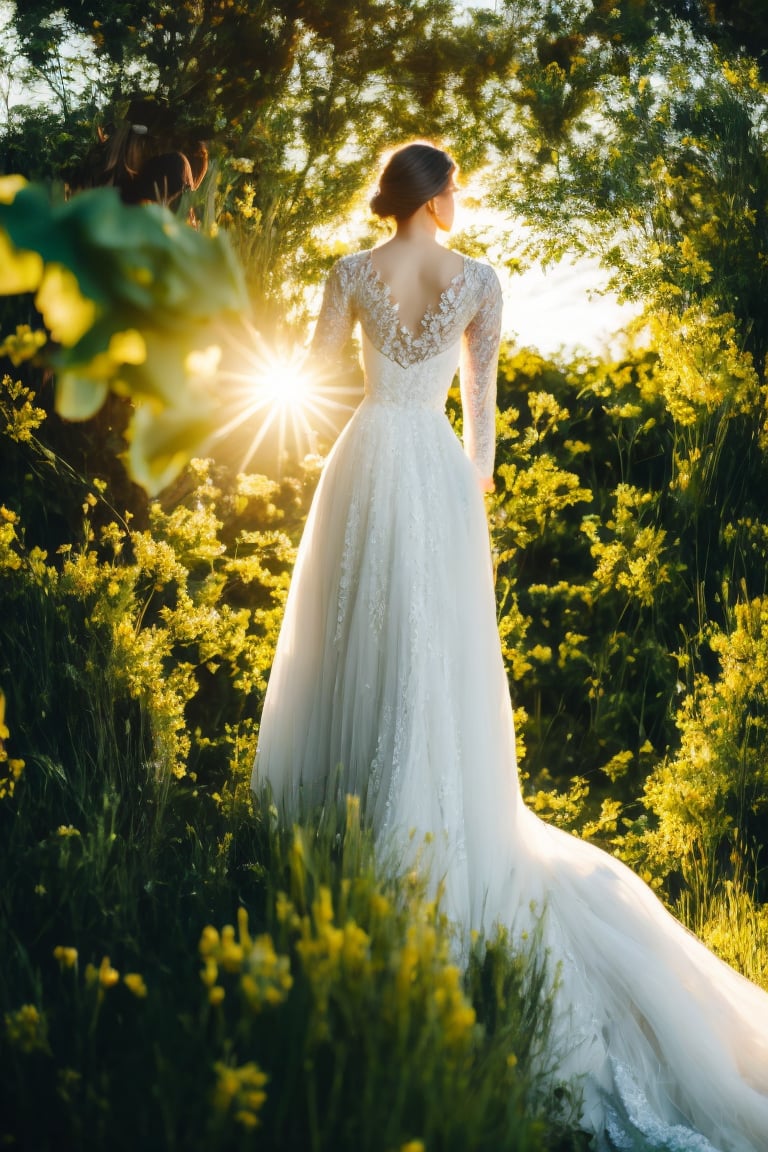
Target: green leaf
[162,440]
[79,397]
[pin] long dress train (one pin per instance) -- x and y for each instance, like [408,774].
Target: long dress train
[388,682]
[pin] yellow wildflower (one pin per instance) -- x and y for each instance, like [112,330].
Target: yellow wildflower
[135,984]
[380,906]
[12,775]
[242,928]
[241,1091]
[210,972]
[267,979]
[265,976]
[286,913]
[227,1085]
[246,1118]
[355,947]
[407,970]
[456,1013]
[108,976]
[298,866]
[353,812]
[67,957]
[209,941]
[230,953]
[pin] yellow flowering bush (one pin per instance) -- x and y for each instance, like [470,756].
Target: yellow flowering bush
[636,558]
[27,1029]
[11,768]
[355,994]
[716,786]
[702,368]
[158,624]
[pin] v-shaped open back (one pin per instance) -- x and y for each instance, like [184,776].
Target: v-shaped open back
[429,310]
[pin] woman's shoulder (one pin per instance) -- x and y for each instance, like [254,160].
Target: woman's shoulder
[480,270]
[345,273]
[482,278]
[351,263]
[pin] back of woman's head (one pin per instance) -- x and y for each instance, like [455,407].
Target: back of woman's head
[163,179]
[412,176]
[147,133]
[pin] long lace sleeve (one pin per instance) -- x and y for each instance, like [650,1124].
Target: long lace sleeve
[479,361]
[337,317]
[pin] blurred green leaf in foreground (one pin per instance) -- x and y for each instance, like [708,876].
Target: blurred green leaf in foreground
[134,302]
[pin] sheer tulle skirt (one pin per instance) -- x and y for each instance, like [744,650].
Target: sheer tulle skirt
[388,682]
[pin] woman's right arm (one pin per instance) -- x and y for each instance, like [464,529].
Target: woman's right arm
[337,318]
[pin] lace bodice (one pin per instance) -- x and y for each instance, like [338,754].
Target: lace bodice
[463,327]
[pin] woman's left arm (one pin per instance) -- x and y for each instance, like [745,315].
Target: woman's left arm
[479,365]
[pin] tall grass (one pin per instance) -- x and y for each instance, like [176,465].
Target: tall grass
[234,982]
[179,971]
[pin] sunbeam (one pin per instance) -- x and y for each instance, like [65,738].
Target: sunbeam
[295,401]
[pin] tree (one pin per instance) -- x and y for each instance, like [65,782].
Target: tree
[298,99]
[626,132]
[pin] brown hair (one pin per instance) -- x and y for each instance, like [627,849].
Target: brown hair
[162,179]
[412,176]
[147,158]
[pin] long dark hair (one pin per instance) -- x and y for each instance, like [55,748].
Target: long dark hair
[412,176]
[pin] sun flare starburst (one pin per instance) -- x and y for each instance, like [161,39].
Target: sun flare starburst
[288,402]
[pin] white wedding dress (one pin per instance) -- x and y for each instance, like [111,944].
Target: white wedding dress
[388,682]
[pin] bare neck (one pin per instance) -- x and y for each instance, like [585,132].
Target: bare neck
[420,229]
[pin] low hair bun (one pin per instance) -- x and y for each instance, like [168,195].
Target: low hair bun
[378,204]
[412,176]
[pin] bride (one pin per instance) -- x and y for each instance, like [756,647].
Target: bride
[388,682]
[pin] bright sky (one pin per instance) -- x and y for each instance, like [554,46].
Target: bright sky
[561,309]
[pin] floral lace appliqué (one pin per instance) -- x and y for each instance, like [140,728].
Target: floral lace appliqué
[395,340]
[469,311]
